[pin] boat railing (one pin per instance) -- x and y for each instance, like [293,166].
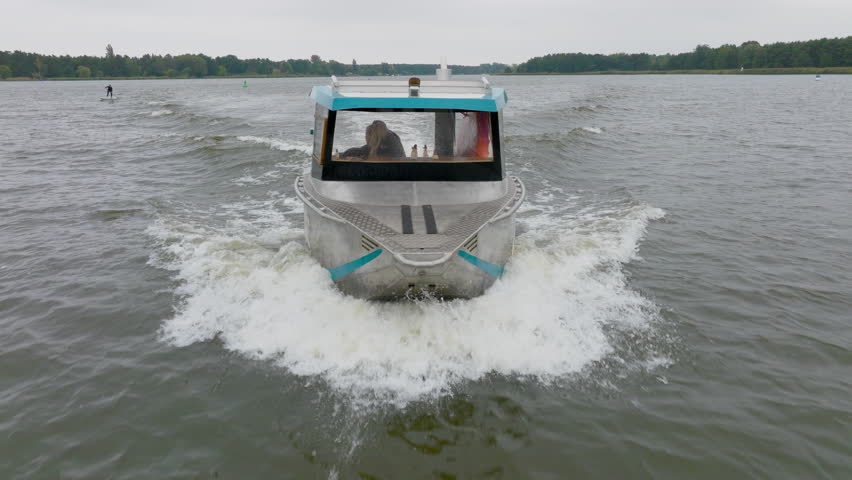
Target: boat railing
[401,87]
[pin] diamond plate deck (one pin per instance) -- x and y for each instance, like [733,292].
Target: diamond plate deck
[460,229]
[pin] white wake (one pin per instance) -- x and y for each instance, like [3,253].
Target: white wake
[252,284]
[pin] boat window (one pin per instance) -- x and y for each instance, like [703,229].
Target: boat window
[448,136]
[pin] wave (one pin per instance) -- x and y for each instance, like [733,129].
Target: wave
[277,144]
[115,214]
[589,108]
[270,177]
[595,130]
[161,112]
[253,285]
[554,136]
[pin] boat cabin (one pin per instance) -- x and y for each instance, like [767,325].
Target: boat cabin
[408,130]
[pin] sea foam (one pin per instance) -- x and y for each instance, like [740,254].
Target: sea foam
[253,285]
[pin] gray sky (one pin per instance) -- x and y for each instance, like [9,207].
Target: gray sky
[408,31]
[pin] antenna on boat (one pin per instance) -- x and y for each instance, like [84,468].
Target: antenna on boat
[443,73]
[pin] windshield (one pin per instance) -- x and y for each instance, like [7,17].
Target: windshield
[437,136]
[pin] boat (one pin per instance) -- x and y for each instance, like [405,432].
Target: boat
[426,207]
[818,77]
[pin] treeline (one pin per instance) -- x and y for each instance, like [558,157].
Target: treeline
[24,64]
[825,52]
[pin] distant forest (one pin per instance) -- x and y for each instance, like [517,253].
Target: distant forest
[33,65]
[822,53]
[825,52]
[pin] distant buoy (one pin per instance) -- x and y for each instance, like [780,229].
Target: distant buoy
[245,83]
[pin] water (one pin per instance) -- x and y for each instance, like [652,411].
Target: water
[678,305]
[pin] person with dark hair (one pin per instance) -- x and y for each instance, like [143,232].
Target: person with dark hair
[109,90]
[381,143]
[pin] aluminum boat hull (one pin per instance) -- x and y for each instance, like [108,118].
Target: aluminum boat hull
[385,240]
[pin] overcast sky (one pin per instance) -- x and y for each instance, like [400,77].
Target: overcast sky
[400,31]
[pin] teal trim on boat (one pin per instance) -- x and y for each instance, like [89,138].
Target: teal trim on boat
[487,267]
[493,102]
[347,268]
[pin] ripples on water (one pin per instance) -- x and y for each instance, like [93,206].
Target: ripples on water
[160,303]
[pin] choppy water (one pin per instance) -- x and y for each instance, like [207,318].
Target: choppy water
[679,303]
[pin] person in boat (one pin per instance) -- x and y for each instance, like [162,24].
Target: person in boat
[109,90]
[381,142]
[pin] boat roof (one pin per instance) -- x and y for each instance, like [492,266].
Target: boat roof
[470,95]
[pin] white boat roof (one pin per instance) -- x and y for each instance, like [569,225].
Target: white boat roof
[353,94]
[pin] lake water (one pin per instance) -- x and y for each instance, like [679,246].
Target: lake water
[679,304]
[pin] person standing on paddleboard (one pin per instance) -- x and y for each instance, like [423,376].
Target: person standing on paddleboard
[109,90]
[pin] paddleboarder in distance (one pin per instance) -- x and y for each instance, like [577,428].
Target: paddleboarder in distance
[109,90]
